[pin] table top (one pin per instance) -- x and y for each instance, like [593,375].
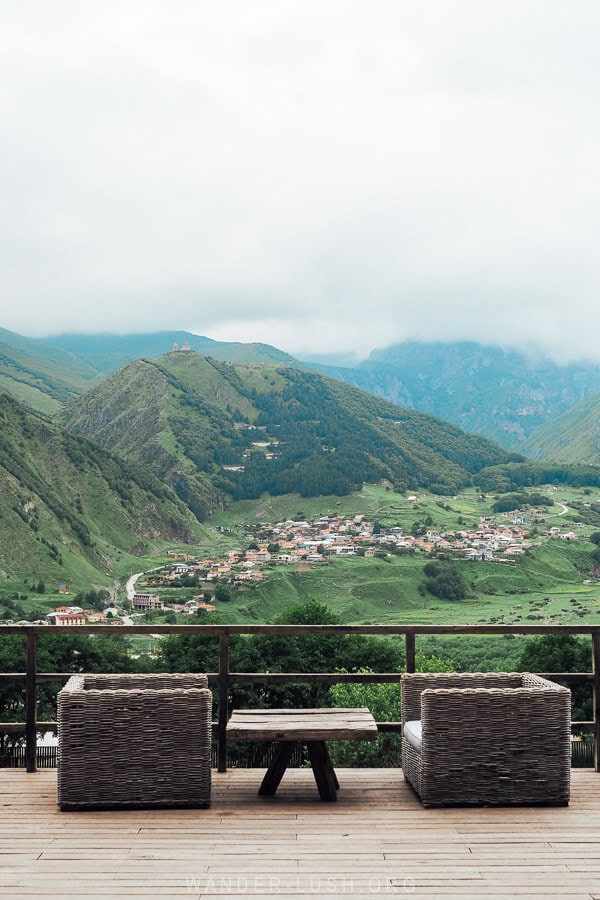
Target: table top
[302,725]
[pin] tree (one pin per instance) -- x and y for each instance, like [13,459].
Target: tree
[316,652]
[556,653]
[93,599]
[383,701]
[195,652]
[561,653]
[222,594]
[444,580]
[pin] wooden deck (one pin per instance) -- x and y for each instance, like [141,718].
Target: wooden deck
[375,841]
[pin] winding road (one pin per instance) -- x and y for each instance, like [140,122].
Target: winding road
[130,586]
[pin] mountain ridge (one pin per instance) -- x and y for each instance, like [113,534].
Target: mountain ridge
[216,430]
[109,352]
[503,394]
[70,506]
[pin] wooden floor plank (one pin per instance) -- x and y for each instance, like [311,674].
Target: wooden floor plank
[376,840]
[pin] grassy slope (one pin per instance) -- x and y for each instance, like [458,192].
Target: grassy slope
[51,483]
[543,587]
[572,437]
[42,376]
[547,584]
[177,415]
[375,591]
[139,413]
[374,501]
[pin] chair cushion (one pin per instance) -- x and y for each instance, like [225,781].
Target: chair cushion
[413,732]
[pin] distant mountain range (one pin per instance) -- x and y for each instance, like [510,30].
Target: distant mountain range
[108,352]
[47,373]
[503,394]
[71,508]
[40,375]
[215,431]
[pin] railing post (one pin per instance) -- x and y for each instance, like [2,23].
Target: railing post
[31,704]
[223,691]
[596,685]
[410,651]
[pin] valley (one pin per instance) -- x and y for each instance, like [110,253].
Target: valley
[544,585]
[283,487]
[367,578]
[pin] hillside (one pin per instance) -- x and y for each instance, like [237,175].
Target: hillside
[42,376]
[502,394]
[572,437]
[215,431]
[71,510]
[109,352]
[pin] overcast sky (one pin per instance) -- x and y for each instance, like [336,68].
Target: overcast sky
[322,175]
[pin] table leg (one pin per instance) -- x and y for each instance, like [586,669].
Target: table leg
[275,772]
[331,769]
[323,771]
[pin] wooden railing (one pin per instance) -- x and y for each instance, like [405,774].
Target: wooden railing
[224,678]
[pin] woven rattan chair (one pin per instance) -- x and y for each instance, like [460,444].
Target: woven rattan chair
[472,739]
[127,741]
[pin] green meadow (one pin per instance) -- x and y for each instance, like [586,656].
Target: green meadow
[543,586]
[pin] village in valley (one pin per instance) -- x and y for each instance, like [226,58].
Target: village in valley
[305,544]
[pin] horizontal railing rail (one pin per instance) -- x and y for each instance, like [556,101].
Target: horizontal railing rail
[225,678]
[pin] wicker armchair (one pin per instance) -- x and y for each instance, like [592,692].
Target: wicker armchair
[134,741]
[486,739]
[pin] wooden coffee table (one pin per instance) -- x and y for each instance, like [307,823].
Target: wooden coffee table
[312,727]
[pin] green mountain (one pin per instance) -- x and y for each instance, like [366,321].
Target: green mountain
[571,437]
[70,509]
[42,376]
[503,394]
[216,431]
[109,352]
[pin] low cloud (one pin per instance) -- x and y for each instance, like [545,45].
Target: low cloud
[324,177]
